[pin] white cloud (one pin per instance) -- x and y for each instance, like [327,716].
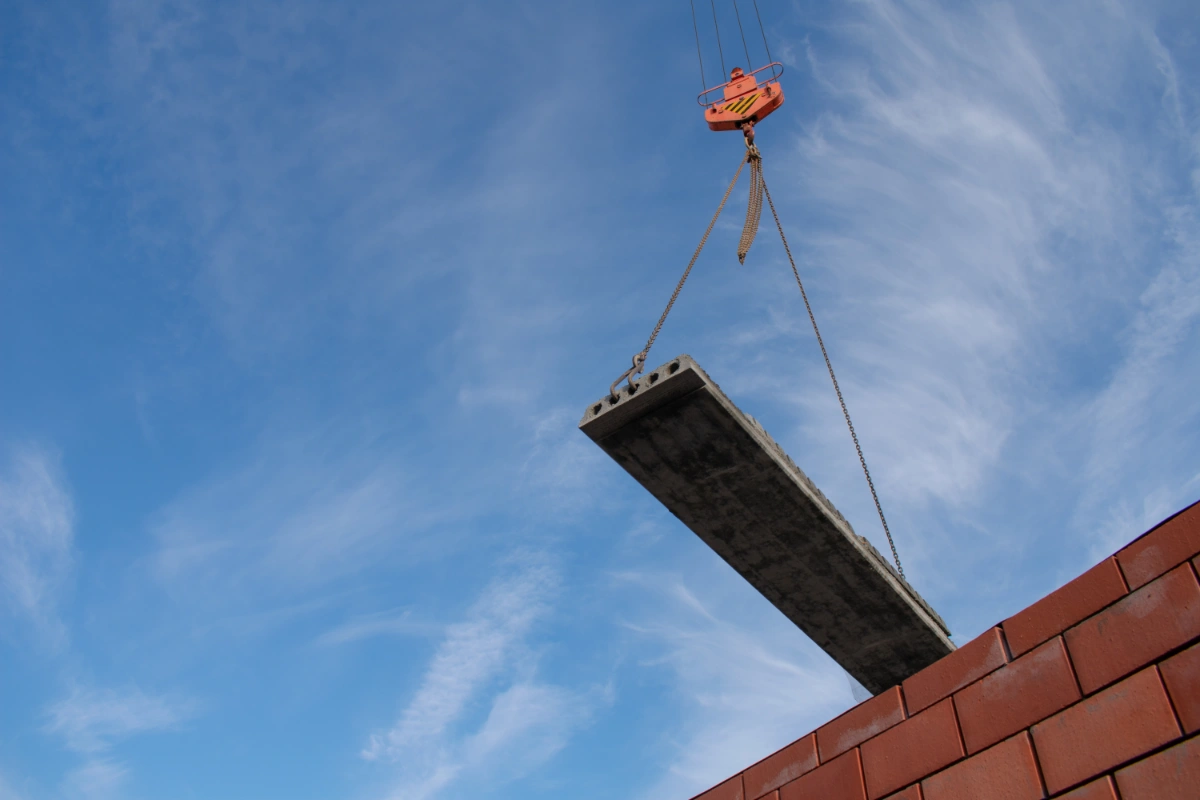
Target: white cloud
[36,538]
[300,510]
[96,779]
[973,199]
[7,792]
[368,626]
[746,683]
[528,724]
[1149,401]
[484,662]
[943,198]
[966,209]
[94,720]
[1000,239]
[563,469]
[473,653]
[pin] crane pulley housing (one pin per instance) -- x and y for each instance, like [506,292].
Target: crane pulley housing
[744,100]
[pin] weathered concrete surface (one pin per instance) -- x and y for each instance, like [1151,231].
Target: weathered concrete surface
[719,472]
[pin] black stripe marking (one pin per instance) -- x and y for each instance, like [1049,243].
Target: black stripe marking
[743,104]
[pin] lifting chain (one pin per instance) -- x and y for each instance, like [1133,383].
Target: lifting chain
[758,190]
[754,207]
[639,358]
[829,365]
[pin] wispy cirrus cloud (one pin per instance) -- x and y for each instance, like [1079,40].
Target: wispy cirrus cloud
[37,556]
[988,209]
[484,661]
[974,204]
[299,510]
[37,532]
[1147,404]
[473,652]
[979,196]
[7,791]
[948,176]
[92,720]
[96,779]
[744,683]
[402,622]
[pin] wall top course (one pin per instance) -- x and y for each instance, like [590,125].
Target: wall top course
[886,735]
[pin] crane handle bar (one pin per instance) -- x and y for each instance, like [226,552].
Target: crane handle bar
[702,100]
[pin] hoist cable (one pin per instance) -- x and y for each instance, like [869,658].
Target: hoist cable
[829,365]
[737,14]
[763,31]
[699,57]
[717,26]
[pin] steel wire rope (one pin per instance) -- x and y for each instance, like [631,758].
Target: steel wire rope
[699,57]
[737,14]
[717,26]
[763,31]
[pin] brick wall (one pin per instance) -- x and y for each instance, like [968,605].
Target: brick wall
[1091,693]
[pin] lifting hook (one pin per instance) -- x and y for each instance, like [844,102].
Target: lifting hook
[639,363]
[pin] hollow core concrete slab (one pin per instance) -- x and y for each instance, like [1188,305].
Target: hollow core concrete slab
[719,472]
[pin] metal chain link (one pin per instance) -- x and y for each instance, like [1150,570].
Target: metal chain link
[754,207]
[758,190]
[639,359]
[829,365]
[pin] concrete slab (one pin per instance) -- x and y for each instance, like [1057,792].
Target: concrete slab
[723,476]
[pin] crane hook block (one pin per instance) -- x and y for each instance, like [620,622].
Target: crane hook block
[744,100]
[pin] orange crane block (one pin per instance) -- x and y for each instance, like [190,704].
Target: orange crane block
[744,101]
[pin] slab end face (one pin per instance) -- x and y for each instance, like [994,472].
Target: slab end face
[723,476]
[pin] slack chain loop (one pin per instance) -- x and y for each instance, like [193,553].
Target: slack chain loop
[754,207]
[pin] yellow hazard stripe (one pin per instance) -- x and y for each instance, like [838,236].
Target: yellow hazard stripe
[743,104]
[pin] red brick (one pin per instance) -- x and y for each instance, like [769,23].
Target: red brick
[840,779]
[729,790]
[940,679]
[1100,586]
[1103,789]
[1181,674]
[860,723]
[1103,731]
[919,746]
[786,765]
[1173,774]
[911,793]
[1135,631]
[1169,544]
[1007,771]
[1016,696]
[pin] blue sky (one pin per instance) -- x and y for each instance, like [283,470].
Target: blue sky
[300,305]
